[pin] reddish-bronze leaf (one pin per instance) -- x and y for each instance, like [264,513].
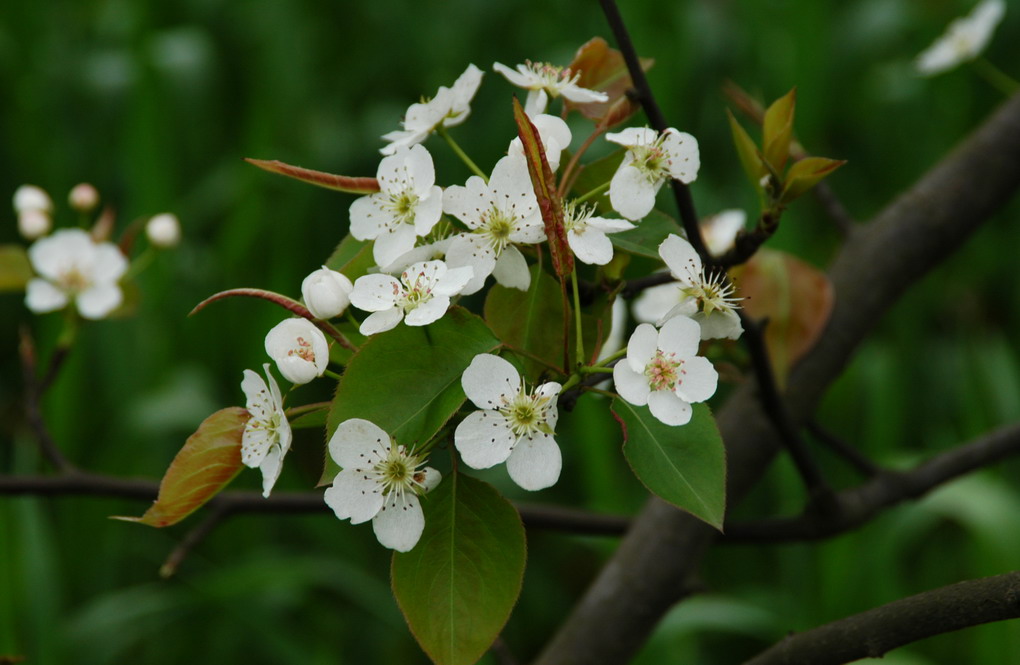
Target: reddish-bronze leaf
[544,183]
[209,460]
[796,298]
[340,183]
[602,68]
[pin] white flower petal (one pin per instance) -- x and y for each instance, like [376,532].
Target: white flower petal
[610,225]
[669,408]
[428,211]
[720,324]
[375,293]
[466,202]
[428,312]
[400,522]
[484,439]
[470,251]
[296,370]
[393,244]
[41,296]
[270,467]
[535,462]
[698,381]
[368,216]
[518,77]
[632,386]
[681,259]
[299,349]
[511,270]
[354,495]
[720,230]
[381,321]
[592,247]
[681,336]
[255,445]
[642,346]
[419,171]
[653,304]
[633,136]
[453,281]
[684,158]
[99,300]
[490,381]
[550,390]
[579,95]
[358,443]
[326,293]
[50,256]
[630,192]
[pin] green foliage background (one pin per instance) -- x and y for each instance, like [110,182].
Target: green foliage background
[157,102]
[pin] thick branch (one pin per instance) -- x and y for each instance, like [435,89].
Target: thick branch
[888,488]
[663,548]
[873,633]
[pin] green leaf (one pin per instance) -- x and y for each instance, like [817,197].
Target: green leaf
[805,174]
[750,158]
[649,234]
[407,380]
[209,460]
[457,586]
[777,130]
[530,321]
[15,269]
[339,183]
[684,465]
[352,257]
[595,174]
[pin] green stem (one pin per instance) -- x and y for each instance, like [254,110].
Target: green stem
[571,382]
[595,370]
[296,411]
[460,153]
[593,193]
[999,79]
[613,356]
[579,350]
[331,374]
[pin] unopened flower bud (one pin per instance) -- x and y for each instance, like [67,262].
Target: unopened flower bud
[83,197]
[30,197]
[327,293]
[163,230]
[34,224]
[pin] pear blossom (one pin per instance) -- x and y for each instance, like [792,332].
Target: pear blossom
[83,197]
[163,230]
[326,293]
[72,267]
[543,81]
[266,437]
[555,136]
[450,107]
[30,197]
[299,349]
[586,234]
[513,425]
[720,230]
[34,224]
[379,481]
[650,160]
[498,214]
[408,205]
[421,296]
[426,251]
[964,39]
[663,371]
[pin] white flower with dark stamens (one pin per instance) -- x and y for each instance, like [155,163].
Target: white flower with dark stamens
[555,136]
[500,214]
[964,39]
[326,293]
[650,160]
[408,205]
[586,234]
[379,481]
[299,349]
[266,437]
[663,371]
[450,107]
[72,267]
[420,297]
[709,300]
[513,426]
[543,81]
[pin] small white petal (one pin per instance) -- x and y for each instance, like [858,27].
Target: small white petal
[642,346]
[681,336]
[536,102]
[490,381]
[375,293]
[535,462]
[41,296]
[699,380]
[592,247]
[367,216]
[270,467]
[99,300]
[470,251]
[631,194]
[354,495]
[326,293]
[381,321]
[511,269]
[358,443]
[653,304]
[684,158]
[453,281]
[400,523]
[632,386]
[633,136]
[484,439]
[681,259]
[669,408]
[550,390]
[428,312]
[392,245]
[428,211]
[720,324]
[465,202]
[255,444]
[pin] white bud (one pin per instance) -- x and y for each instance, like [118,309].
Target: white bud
[299,349]
[327,293]
[83,197]
[163,230]
[34,224]
[30,197]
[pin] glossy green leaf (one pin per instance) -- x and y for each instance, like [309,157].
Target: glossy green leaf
[805,174]
[340,183]
[649,234]
[684,465]
[352,257]
[15,269]
[407,380]
[750,158]
[529,321]
[458,585]
[209,460]
[777,130]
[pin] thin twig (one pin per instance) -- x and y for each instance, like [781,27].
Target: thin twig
[873,633]
[834,208]
[216,516]
[33,410]
[843,449]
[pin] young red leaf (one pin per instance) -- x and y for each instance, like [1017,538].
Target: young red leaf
[604,69]
[209,460]
[544,182]
[340,183]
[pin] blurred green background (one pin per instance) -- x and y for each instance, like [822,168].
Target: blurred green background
[156,103]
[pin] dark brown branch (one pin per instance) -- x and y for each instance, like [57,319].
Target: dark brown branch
[215,517]
[663,548]
[843,449]
[889,488]
[635,286]
[873,633]
[33,395]
[834,208]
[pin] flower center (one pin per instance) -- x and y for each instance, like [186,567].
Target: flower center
[403,206]
[496,227]
[551,77]
[651,160]
[417,292]
[398,472]
[711,294]
[576,216]
[526,413]
[303,350]
[664,371]
[73,281]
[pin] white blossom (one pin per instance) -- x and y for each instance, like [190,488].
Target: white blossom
[498,214]
[34,224]
[326,293]
[651,159]
[450,107]
[543,81]
[663,371]
[513,425]
[266,437]
[555,136]
[964,39]
[83,197]
[586,234]
[720,230]
[72,267]
[164,230]
[707,300]
[421,296]
[408,205]
[379,481]
[30,197]
[299,349]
